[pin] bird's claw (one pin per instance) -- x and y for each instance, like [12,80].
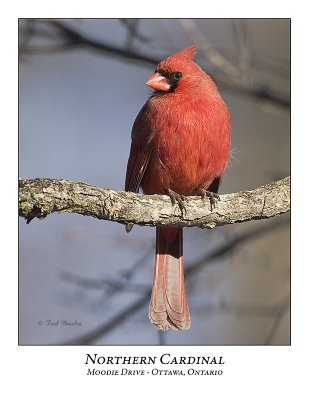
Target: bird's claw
[213,198]
[179,198]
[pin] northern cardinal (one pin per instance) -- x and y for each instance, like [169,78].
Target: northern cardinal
[180,147]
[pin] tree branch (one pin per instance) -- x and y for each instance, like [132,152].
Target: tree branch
[72,39]
[40,197]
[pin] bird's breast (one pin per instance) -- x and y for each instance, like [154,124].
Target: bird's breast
[189,149]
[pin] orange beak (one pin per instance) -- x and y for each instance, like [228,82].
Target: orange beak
[158,82]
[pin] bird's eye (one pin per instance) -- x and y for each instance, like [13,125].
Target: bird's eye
[177,75]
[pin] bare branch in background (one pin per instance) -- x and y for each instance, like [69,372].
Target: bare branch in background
[132,26]
[109,285]
[40,197]
[224,250]
[243,38]
[166,36]
[73,39]
[214,56]
[101,283]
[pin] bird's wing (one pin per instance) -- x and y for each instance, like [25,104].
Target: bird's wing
[141,150]
[137,164]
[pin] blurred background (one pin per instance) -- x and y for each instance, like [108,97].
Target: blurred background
[81,85]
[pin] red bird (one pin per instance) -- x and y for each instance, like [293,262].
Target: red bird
[180,147]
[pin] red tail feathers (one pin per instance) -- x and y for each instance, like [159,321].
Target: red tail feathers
[168,305]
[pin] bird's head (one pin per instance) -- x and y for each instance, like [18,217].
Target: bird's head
[177,73]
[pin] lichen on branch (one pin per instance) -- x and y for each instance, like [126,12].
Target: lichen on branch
[42,196]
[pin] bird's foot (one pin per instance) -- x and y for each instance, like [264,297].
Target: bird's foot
[179,198]
[128,227]
[213,197]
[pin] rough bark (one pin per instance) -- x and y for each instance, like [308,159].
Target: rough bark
[40,197]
